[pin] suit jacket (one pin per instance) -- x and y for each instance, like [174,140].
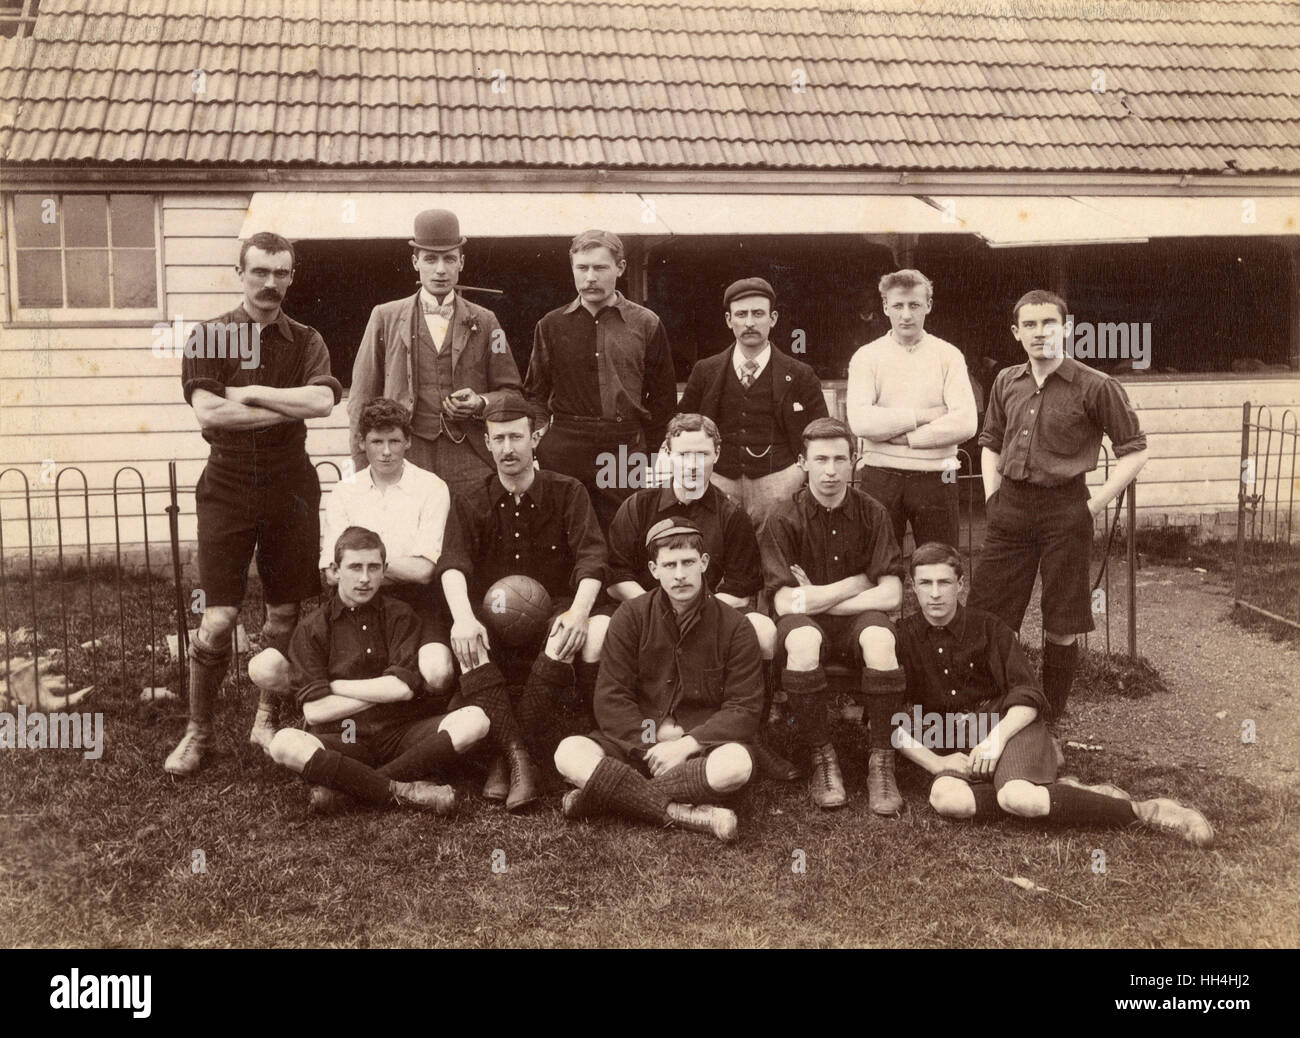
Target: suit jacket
[793,382]
[383,363]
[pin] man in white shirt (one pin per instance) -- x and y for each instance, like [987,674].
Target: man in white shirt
[441,357]
[910,398]
[408,508]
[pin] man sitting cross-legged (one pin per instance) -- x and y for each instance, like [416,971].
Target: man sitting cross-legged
[967,670]
[679,696]
[352,666]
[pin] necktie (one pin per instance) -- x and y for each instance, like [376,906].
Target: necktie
[747,373]
[444,310]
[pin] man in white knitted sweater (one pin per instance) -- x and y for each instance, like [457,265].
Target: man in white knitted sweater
[910,398]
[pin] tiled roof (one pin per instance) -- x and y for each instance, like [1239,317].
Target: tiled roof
[957,85]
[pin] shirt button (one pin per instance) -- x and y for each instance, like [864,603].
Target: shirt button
[516,556]
[363,627]
[837,558]
[516,533]
[367,652]
[941,650]
[1024,432]
[1031,410]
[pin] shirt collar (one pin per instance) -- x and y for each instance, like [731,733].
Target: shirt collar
[432,300]
[396,484]
[907,349]
[536,493]
[956,626]
[1066,369]
[280,324]
[811,506]
[667,500]
[337,608]
[738,360]
[620,304]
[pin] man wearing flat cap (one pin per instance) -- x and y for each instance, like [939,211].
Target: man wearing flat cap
[760,398]
[602,367]
[531,522]
[440,356]
[678,700]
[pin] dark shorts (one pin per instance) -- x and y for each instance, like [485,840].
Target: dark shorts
[429,610]
[1030,755]
[1033,528]
[839,634]
[921,498]
[635,760]
[392,749]
[271,509]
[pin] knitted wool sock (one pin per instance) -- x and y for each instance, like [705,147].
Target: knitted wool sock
[428,759]
[208,668]
[583,679]
[330,768]
[809,703]
[1071,806]
[616,787]
[1059,665]
[882,692]
[485,687]
[687,783]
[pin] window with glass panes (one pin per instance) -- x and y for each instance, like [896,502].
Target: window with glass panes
[85,251]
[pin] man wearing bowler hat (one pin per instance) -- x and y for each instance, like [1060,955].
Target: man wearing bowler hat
[438,355]
[760,398]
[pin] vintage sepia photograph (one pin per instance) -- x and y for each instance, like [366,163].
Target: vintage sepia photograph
[677,474]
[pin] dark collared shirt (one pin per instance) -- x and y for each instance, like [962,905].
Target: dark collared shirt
[289,355]
[1051,435]
[351,643]
[728,538]
[829,544]
[974,663]
[549,534]
[707,678]
[615,365]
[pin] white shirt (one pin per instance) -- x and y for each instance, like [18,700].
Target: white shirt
[409,515]
[738,361]
[436,323]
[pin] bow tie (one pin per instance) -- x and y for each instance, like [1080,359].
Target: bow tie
[442,310]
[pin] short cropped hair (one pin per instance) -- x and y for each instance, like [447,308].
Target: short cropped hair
[936,553]
[828,429]
[267,242]
[682,423]
[597,239]
[1036,297]
[383,413]
[690,541]
[358,538]
[906,279]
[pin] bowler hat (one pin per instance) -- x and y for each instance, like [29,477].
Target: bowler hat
[437,229]
[748,287]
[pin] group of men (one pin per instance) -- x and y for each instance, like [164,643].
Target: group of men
[678,611]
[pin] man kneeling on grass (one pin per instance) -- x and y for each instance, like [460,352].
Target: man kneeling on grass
[967,672]
[678,697]
[374,735]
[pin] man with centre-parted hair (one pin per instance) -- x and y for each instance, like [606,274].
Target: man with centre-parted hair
[258,493]
[530,522]
[1041,438]
[678,701]
[734,574]
[833,570]
[602,367]
[984,711]
[408,507]
[437,354]
[373,736]
[761,400]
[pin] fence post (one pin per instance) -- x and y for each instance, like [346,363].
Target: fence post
[1132,571]
[1241,502]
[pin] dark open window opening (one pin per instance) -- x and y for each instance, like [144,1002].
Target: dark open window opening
[18,19]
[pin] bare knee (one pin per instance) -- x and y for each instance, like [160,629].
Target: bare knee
[465,727]
[765,629]
[269,671]
[436,666]
[280,619]
[952,797]
[877,644]
[576,758]
[293,748]
[217,623]
[1024,799]
[1060,639]
[596,628]
[803,648]
[728,767]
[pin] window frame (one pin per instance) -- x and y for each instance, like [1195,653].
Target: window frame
[71,316]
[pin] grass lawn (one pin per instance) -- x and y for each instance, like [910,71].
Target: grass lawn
[101,853]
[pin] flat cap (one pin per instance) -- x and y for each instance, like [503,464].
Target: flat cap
[507,407]
[748,287]
[668,527]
